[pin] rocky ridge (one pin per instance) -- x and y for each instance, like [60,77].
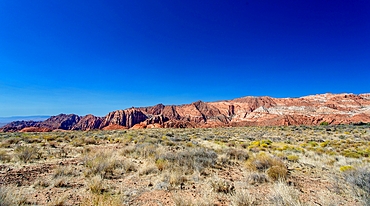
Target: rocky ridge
[245,111]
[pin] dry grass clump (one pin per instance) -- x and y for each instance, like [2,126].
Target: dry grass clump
[237,154]
[61,182]
[180,200]
[189,160]
[359,179]
[100,163]
[97,185]
[11,195]
[283,195]
[263,161]
[102,200]
[273,166]
[64,171]
[221,185]
[128,166]
[257,178]
[4,157]
[243,198]
[277,172]
[26,153]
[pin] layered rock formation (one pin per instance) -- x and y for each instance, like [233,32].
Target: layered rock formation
[246,111]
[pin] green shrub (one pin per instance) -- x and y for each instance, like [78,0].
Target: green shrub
[292,158]
[324,123]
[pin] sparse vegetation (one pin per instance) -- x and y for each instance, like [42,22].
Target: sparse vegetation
[297,165]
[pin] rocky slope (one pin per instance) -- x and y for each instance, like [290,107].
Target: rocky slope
[245,111]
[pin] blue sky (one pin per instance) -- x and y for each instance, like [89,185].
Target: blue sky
[90,56]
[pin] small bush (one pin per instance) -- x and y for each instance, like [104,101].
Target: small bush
[148,169]
[101,200]
[161,164]
[221,185]
[96,185]
[9,196]
[26,153]
[263,161]
[4,157]
[283,195]
[64,171]
[277,173]
[292,158]
[346,168]
[243,198]
[237,154]
[257,178]
[128,166]
[100,163]
[324,123]
[359,178]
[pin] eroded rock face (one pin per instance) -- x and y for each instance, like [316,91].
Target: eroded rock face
[127,118]
[245,111]
[88,122]
[19,125]
[61,121]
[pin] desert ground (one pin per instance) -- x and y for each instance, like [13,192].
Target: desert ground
[280,165]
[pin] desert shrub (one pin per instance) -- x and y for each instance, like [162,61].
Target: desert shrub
[100,163]
[292,158]
[351,154]
[182,201]
[161,164]
[10,195]
[64,171]
[190,159]
[11,141]
[127,150]
[346,168]
[145,150]
[324,123]
[89,140]
[283,195]
[257,178]
[237,154]
[26,153]
[242,198]
[147,169]
[221,185]
[4,157]
[277,172]
[59,201]
[359,179]
[128,166]
[61,182]
[96,185]
[176,178]
[262,162]
[102,200]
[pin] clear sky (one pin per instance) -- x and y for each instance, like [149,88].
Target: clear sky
[90,56]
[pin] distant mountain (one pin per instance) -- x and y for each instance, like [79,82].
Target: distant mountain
[6,120]
[245,111]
